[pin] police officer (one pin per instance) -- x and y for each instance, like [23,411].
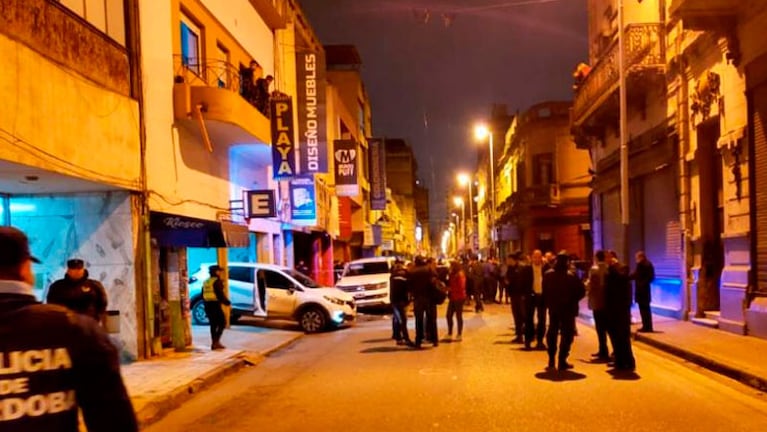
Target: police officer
[214,297]
[562,290]
[75,366]
[78,292]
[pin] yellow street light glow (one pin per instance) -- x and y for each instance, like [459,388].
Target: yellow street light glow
[481,132]
[463,179]
[458,201]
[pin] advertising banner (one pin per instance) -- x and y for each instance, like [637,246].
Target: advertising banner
[303,201]
[345,218]
[312,135]
[283,138]
[377,169]
[345,154]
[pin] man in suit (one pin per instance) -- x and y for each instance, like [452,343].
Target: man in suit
[562,291]
[643,275]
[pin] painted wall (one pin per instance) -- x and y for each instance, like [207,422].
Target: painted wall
[99,228]
[79,119]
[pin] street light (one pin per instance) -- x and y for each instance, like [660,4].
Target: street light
[458,201]
[481,132]
[465,179]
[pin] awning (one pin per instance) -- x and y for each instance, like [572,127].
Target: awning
[182,231]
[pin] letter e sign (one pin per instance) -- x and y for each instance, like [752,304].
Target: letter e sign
[261,204]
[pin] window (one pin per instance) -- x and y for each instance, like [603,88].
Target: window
[241,274]
[190,45]
[107,16]
[276,280]
[222,66]
[543,169]
[368,268]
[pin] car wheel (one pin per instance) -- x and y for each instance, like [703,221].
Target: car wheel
[313,320]
[199,316]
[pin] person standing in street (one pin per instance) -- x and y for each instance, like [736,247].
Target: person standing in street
[562,291]
[214,297]
[535,310]
[597,303]
[618,306]
[456,297]
[643,275]
[78,292]
[515,290]
[421,280]
[398,295]
[70,362]
[478,282]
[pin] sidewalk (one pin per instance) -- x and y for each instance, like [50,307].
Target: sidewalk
[739,357]
[159,386]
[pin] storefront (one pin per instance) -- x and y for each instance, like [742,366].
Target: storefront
[174,239]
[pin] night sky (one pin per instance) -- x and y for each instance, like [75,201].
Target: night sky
[429,81]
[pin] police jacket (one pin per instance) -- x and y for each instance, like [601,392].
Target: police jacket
[52,361]
[213,291]
[85,296]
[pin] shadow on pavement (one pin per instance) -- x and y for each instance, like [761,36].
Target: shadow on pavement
[387,349]
[623,375]
[559,376]
[595,360]
[381,340]
[505,343]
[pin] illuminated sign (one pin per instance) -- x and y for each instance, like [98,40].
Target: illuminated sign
[283,138]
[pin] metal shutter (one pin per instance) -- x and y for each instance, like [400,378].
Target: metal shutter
[760,179]
[662,230]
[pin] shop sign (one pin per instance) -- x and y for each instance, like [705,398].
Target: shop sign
[313,149]
[345,218]
[377,169]
[261,204]
[283,138]
[345,157]
[303,201]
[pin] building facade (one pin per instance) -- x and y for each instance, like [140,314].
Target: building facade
[543,184]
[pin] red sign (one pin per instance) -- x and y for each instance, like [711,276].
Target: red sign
[345,218]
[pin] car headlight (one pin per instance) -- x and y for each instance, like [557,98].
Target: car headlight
[335,300]
[379,286]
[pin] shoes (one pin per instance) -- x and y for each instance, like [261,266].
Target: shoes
[550,365]
[448,337]
[217,346]
[518,340]
[458,338]
[401,342]
[528,347]
[540,346]
[600,355]
[563,365]
[644,330]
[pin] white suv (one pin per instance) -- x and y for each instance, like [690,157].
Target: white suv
[271,291]
[367,279]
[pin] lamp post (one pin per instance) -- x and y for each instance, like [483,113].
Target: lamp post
[458,201]
[481,132]
[624,146]
[465,179]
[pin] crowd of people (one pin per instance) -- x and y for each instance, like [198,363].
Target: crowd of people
[543,291]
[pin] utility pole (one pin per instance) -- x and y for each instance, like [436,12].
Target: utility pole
[624,149]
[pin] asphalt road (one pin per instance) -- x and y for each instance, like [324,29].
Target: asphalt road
[356,379]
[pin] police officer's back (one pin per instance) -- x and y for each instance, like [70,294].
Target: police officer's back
[52,360]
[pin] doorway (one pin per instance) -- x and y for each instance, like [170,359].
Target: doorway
[711,206]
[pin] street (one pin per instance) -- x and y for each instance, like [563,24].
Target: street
[357,380]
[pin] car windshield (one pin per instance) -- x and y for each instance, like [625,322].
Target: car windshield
[367,268]
[303,279]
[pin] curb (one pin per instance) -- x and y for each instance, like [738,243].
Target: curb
[159,407]
[747,378]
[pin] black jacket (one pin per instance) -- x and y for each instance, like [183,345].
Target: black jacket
[643,276]
[617,288]
[81,369]
[562,290]
[398,292]
[421,281]
[85,296]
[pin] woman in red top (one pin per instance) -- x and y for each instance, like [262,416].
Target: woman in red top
[456,297]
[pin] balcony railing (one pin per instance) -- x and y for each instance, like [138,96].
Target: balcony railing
[218,73]
[542,195]
[643,49]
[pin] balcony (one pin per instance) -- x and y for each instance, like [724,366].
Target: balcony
[705,14]
[207,100]
[542,195]
[644,58]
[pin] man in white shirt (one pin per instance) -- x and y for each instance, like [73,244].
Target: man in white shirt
[535,309]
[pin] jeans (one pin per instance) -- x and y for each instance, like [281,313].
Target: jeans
[399,322]
[518,312]
[601,324]
[455,307]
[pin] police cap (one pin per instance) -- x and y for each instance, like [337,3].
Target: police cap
[14,247]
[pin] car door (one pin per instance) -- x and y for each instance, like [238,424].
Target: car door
[241,287]
[281,294]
